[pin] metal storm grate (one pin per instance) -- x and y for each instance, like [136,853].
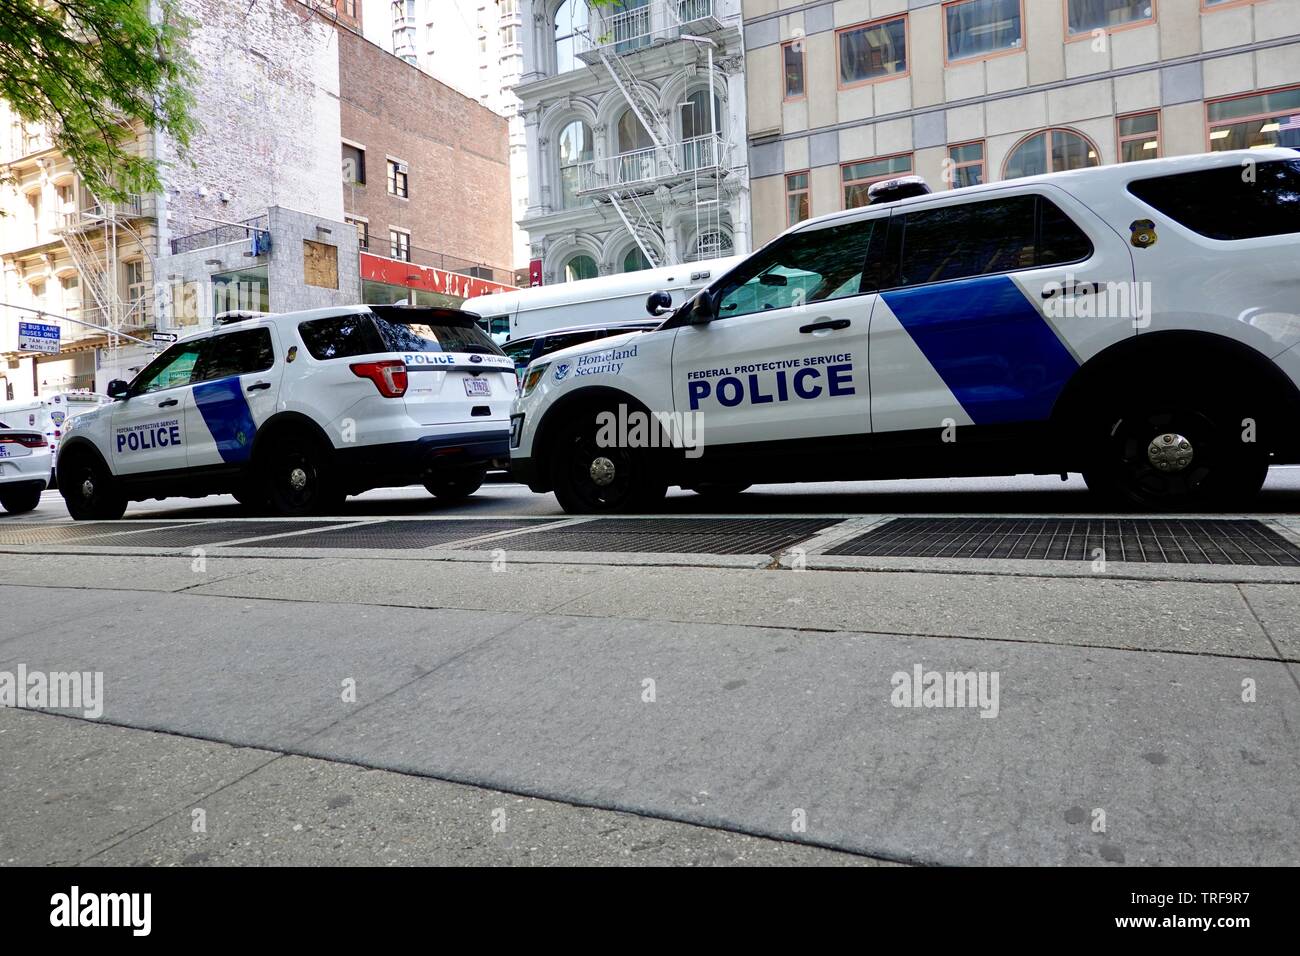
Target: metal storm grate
[76,532]
[1163,540]
[669,536]
[194,535]
[400,535]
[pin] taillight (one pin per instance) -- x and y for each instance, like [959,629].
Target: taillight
[30,441]
[389,377]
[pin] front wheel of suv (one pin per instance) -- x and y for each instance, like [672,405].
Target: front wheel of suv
[88,490]
[591,478]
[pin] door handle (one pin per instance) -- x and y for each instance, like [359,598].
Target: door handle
[168,403]
[1072,288]
[258,386]
[829,325]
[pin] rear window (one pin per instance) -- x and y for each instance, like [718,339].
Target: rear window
[416,335]
[341,336]
[1231,202]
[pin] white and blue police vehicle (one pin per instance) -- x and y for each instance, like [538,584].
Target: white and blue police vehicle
[293,412]
[1136,323]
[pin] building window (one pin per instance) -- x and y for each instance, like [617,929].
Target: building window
[576,155]
[798,198]
[1139,136]
[509,35]
[71,287]
[363,231]
[1050,151]
[858,177]
[572,16]
[1260,119]
[1084,16]
[399,245]
[635,260]
[636,159]
[713,244]
[580,267]
[348,7]
[967,164]
[873,51]
[397,179]
[792,60]
[976,28]
[136,289]
[354,164]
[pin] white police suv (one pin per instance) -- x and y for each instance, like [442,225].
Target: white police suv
[295,411]
[1136,322]
[25,466]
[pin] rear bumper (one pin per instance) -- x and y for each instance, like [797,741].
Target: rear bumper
[408,463]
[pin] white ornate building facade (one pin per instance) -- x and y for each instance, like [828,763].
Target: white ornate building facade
[632,163]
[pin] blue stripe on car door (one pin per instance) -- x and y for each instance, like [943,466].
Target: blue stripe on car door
[229,419]
[988,343]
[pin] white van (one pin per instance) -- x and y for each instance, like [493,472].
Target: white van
[49,415]
[514,315]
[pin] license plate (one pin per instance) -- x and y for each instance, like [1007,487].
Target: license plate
[477,386]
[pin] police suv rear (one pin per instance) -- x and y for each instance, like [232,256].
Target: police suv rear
[25,463]
[293,412]
[1136,322]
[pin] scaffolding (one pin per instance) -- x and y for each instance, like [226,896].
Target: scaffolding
[690,168]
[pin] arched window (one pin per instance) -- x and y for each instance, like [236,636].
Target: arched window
[575,150]
[570,17]
[631,134]
[635,260]
[636,159]
[695,115]
[580,267]
[1050,151]
[711,244]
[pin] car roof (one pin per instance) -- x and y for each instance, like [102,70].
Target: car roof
[394,312]
[1106,179]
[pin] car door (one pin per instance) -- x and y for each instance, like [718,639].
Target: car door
[994,302]
[236,388]
[149,425]
[786,356]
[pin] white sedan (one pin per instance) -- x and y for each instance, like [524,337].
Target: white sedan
[24,468]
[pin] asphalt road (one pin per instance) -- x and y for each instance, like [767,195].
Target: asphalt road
[1018,495]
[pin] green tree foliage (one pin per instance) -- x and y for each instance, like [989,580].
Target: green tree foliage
[91,71]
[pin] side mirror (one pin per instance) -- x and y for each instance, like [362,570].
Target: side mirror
[702,310]
[659,303]
[118,388]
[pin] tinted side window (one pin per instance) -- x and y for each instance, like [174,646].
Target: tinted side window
[235,353]
[520,352]
[340,337]
[173,368]
[808,266]
[986,238]
[1224,204]
[554,343]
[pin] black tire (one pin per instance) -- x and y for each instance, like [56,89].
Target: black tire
[456,485]
[1176,452]
[250,499]
[590,479]
[296,478]
[88,489]
[18,501]
[721,490]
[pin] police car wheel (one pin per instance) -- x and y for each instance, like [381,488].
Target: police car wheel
[1171,454]
[457,485]
[296,478]
[720,489]
[589,478]
[251,499]
[88,490]
[20,500]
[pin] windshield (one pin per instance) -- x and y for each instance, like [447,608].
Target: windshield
[417,336]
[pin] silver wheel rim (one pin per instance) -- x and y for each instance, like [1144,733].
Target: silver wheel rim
[1170,452]
[297,479]
[87,489]
[602,472]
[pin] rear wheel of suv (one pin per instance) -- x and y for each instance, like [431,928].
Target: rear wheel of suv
[1177,451]
[296,477]
[455,485]
[17,501]
[88,490]
[590,478]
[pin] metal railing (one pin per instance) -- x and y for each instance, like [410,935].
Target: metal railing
[220,235]
[629,30]
[91,216]
[646,165]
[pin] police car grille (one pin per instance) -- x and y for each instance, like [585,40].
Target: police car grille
[400,535]
[1163,540]
[669,536]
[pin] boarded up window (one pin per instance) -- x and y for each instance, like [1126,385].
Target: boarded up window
[320,264]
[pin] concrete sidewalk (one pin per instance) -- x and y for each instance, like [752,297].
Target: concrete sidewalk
[731,698]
